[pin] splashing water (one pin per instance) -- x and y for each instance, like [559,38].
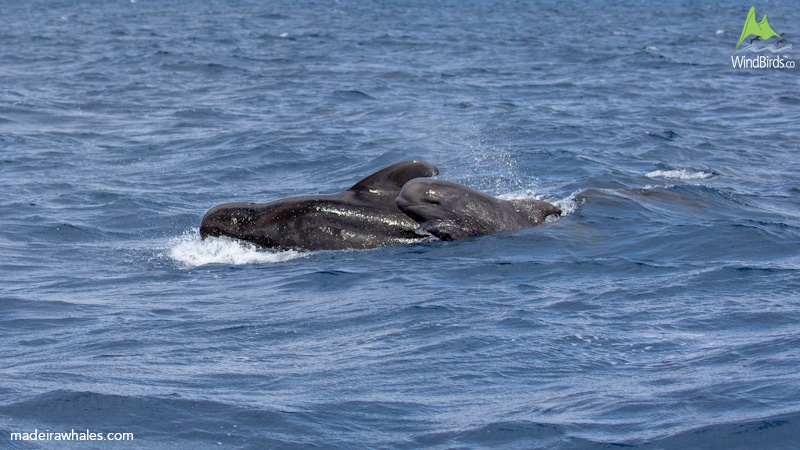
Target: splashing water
[191,251]
[568,205]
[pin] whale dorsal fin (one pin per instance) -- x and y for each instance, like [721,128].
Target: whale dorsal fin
[390,180]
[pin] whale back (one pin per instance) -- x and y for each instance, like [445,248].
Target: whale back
[364,216]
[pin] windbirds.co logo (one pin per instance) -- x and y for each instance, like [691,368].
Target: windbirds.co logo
[761,37]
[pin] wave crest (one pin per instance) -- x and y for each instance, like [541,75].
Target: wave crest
[679,174]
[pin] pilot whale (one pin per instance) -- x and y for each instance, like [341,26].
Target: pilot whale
[453,211]
[400,204]
[364,216]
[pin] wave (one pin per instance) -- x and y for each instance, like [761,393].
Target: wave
[679,174]
[771,432]
[208,423]
[152,419]
[191,251]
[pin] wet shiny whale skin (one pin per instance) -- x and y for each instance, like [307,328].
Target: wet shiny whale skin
[396,205]
[453,211]
[364,216]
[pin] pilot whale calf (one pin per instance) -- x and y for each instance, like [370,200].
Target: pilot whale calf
[453,211]
[364,216]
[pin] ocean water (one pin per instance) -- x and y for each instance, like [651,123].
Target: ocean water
[661,311]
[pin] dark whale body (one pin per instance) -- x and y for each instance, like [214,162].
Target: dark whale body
[364,216]
[396,205]
[453,211]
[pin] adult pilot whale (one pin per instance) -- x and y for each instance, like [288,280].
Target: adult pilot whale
[364,216]
[454,211]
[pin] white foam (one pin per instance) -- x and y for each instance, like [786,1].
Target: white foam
[679,174]
[569,204]
[191,251]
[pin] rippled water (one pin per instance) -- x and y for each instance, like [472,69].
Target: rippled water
[661,311]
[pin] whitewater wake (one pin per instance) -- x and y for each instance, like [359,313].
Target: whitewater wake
[191,251]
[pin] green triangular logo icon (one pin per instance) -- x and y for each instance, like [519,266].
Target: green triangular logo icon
[759,29]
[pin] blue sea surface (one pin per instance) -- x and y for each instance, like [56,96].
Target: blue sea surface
[660,311]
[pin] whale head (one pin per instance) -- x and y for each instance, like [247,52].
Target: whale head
[453,211]
[230,219]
